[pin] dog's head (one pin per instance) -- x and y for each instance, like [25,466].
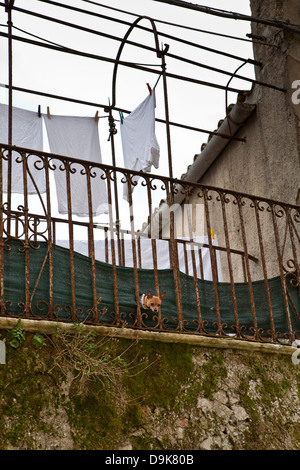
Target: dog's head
[153,302]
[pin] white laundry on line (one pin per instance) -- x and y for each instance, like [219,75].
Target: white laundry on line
[27,132]
[77,137]
[140,147]
[162,249]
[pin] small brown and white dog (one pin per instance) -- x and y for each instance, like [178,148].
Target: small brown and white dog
[152,302]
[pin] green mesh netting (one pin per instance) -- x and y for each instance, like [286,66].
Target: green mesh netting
[14,288]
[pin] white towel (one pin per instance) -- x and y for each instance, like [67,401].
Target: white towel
[27,132]
[140,147]
[77,137]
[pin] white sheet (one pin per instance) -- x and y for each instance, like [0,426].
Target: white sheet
[27,132]
[140,147]
[162,248]
[77,137]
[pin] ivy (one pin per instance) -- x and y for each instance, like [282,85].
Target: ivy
[16,336]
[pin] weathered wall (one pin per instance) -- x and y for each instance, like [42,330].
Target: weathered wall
[193,397]
[268,164]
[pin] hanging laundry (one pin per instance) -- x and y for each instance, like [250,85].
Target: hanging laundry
[27,132]
[77,137]
[140,147]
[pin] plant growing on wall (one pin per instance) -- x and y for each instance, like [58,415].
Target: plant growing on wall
[16,335]
[94,358]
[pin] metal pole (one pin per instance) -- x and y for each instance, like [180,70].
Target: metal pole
[8,8]
[112,132]
[167,110]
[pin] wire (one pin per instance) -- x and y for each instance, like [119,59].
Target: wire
[232,15]
[66,49]
[180,25]
[168,36]
[125,63]
[61,48]
[38,37]
[109,36]
[192,62]
[99,105]
[173,56]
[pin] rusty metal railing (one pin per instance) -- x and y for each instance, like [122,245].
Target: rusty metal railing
[210,246]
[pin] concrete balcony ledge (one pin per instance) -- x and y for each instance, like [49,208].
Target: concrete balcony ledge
[51,327]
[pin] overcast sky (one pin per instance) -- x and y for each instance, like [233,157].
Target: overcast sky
[91,80]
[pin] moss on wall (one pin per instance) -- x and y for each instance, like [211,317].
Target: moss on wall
[183,397]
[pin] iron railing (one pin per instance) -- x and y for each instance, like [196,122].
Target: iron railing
[231,259]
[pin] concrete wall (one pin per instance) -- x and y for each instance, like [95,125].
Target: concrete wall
[268,164]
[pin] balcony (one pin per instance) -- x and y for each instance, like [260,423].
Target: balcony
[228,262]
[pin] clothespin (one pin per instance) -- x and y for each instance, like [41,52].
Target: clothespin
[97,116]
[212,233]
[149,88]
[48,112]
[121,117]
[39,111]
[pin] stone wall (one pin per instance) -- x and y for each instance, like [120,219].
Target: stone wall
[205,394]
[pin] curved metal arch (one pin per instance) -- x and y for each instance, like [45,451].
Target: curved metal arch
[159,53]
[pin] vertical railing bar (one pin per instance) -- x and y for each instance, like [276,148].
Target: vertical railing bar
[174,258]
[216,262]
[106,244]
[212,260]
[201,263]
[167,116]
[135,269]
[229,260]
[9,195]
[170,255]
[123,250]
[294,250]
[10,113]
[149,225]
[35,224]
[112,242]
[2,307]
[17,227]
[91,242]
[153,234]
[49,240]
[160,226]
[280,264]
[196,285]
[116,198]
[264,266]
[153,240]
[71,240]
[247,264]
[186,264]
[26,243]
[244,268]
[54,231]
[139,251]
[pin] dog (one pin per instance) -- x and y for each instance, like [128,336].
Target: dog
[152,302]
